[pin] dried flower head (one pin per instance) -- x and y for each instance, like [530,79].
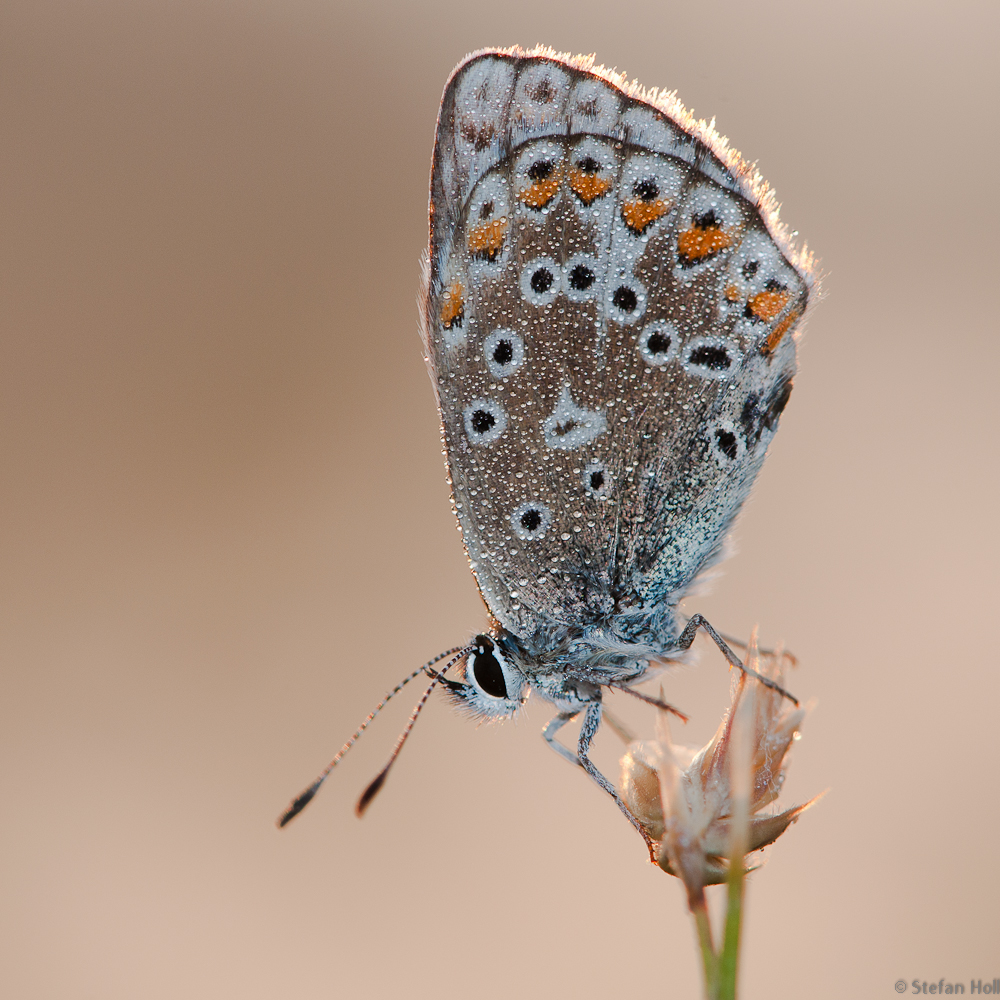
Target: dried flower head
[700,805]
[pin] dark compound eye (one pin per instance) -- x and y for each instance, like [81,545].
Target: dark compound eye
[659,343]
[541,280]
[625,298]
[645,190]
[726,440]
[483,421]
[540,169]
[486,669]
[709,356]
[581,278]
[588,165]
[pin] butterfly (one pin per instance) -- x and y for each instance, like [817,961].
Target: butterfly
[609,316]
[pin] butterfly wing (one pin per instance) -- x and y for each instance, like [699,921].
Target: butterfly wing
[609,325]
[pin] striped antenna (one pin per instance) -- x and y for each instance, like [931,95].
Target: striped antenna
[379,780]
[300,802]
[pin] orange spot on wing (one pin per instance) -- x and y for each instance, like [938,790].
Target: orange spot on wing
[639,214]
[775,336]
[453,306]
[486,239]
[732,293]
[588,187]
[697,243]
[766,305]
[541,192]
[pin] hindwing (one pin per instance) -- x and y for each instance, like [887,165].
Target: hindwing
[609,322]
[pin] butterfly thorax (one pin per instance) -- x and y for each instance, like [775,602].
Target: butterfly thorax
[616,650]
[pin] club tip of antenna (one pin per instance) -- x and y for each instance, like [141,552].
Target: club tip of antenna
[370,792]
[298,805]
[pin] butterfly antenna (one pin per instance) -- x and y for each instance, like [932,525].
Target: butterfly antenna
[379,780]
[300,802]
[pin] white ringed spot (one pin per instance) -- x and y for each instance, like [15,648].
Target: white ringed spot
[504,352]
[484,421]
[541,281]
[580,277]
[626,300]
[658,343]
[531,520]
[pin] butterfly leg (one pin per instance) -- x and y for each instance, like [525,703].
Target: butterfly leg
[549,735]
[591,722]
[742,643]
[696,622]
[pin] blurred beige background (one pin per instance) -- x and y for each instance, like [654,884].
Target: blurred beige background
[225,527]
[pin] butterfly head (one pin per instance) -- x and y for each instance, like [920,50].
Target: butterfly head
[492,686]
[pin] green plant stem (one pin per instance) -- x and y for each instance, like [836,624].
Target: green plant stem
[730,955]
[710,961]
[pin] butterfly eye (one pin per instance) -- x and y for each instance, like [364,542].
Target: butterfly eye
[485,670]
[494,687]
